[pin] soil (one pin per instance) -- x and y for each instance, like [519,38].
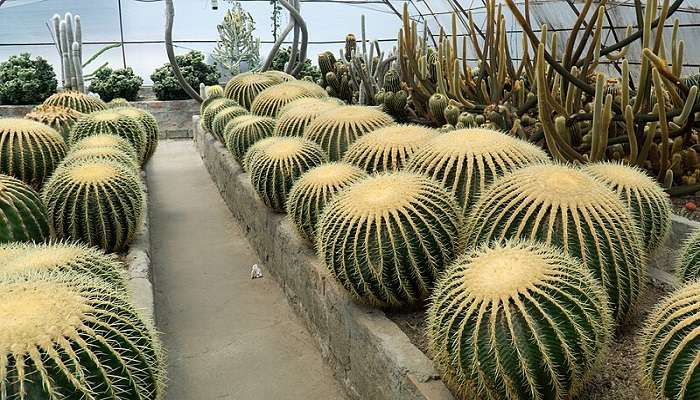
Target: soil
[687,206]
[615,379]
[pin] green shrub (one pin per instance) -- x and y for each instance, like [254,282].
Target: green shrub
[116,83]
[26,81]
[193,68]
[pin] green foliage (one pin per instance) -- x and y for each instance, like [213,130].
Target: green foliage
[22,212]
[308,70]
[118,83]
[517,321]
[112,122]
[244,131]
[77,101]
[26,81]
[193,68]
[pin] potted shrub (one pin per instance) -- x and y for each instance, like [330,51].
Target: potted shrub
[24,80]
[193,68]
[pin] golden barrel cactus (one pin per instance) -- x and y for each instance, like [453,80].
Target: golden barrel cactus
[23,215]
[213,109]
[688,261]
[244,131]
[112,122]
[150,127]
[99,154]
[106,140]
[243,88]
[297,115]
[77,101]
[228,114]
[271,100]
[59,118]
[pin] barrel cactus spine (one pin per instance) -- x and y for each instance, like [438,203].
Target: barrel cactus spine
[112,122]
[106,140]
[313,190]
[312,88]
[243,88]
[68,335]
[564,206]
[388,148]
[218,125]
[213,109]
[211,94]
[59,118]
[100,154]
[23,216]
[257,147]
[118,102]
[517,320]
[275,167]
[279,76]
[388,237]
[270,101]
[77,101]
[687,267]
[297,115]
[244,131]
[150,127]
[29,150]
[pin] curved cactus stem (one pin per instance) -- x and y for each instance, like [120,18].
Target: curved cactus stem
[169,17]
[295,43]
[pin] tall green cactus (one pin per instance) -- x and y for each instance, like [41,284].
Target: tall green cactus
[213,109]
[647,201]
[271,100]
[77,101]
[59,118]
[517,321]
[388,148]
[243,88]
[313,190]
[336,129]
[566,207]
[228,114]
[68,335]
[106,140]
[29,150]
[112,122]
[466,161]
[297,115]
[150,127]
[670,344]
[244,131]
[22,214]
[275,167]
[99,203]
[388,237]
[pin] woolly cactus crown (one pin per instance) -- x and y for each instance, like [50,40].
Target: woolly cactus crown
[77,101]
[22,213]
[271,100]
[59,118]
[243,88]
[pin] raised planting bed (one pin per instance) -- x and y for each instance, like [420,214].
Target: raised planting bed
[379,355]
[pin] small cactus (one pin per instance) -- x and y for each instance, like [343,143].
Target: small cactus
[99,203]
[688,261]
[388,148]
[29,150]
[101,153]
[336,129]
[22,213]
[106,140]
[437,104]
[118,102]
[297,115]
[210,96]
[670,344]
[566,207]
[242,133]
[517,321]
[275,167]
[388,237]
[111,122]
[213,109]
[313,190]
[77,101]
[271,100]
[150,127]
[228,114]
[59,118]
[67,335]
[466,161]
[243,88]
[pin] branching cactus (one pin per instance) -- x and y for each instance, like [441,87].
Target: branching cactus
[64,257]
[688,262]
[243,132]
[22,213]
[271,100]
[517,321]
[77,101]
[566,207]
[101,154]
[293,119]
[73,336]
[335,130]
[112,122]
[276,166]
[649,204]
[670,344]
[228,114]
[243,88]
[213,109]
[106,140]
[466,161]
[389,148]
[313,190]
[29,150]
[388,237]
[59,118]
[150,127]
[99,203]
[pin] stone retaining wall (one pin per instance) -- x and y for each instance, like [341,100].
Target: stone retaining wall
[138,260]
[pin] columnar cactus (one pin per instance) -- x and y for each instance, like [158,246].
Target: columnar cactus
[106,140]
[670,344]
[313,190]
[647,201]
[242,132]
[688,262]
[388,237]
[466,161]
[566,207]
[276,166]
[96,202]
[271,100]
[228,114]
[243,88]
[78,101]
[99,154]
[388,148]
[336,129]
[150,127]
[63,256]
[213,109]
[59,118]
[517,321]
[68,335]
[297,115]
[112,122]
[22,214]
[29,150]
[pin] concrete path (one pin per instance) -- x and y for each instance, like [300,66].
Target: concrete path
[228,337]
